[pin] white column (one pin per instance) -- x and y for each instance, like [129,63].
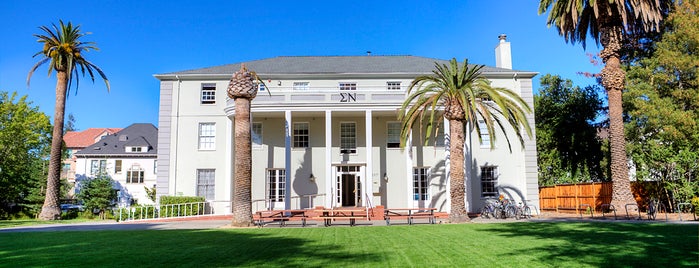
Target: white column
[409,169]
[447,164]
[369,173]
[287,160]
[229,164]
[329,180]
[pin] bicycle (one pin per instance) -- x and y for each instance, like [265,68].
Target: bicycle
[523,212]
[491,209]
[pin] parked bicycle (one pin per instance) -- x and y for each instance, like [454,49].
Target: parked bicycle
[523,212]
[491,209]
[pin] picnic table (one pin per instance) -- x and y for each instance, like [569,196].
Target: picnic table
[329,215]
[410,214]
[281,216]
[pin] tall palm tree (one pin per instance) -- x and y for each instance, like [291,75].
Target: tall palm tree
[242,89]
[609,22]
[462,95]
[63,51]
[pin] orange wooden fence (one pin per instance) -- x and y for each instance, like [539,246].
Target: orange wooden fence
[569,197]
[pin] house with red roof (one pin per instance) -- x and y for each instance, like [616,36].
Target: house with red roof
[78,140]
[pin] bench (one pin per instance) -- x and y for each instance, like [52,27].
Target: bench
[328,216]
[281,216]
[410,214]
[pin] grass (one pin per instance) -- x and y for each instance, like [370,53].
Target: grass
[581,244]
[30,222]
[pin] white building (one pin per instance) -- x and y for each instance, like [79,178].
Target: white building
[128,157]
[327,134]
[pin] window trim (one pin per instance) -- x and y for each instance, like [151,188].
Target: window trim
[207,95]
[394,144]
[279,184]
[209,186]
[493,181]
[135,169]
[423,184]
[349,86]
[393,85]
[296,143]
[254,135]
[201,137]
[348,150]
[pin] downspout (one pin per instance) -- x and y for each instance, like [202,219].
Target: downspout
[177,136]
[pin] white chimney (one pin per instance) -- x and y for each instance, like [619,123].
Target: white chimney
[503,56]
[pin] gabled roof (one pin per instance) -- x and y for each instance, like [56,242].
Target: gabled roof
[81,139]
[135,135]
[332,65]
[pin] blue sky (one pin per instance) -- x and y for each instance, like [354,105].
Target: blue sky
[140,38]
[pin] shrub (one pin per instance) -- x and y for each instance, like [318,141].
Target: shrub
[169,206]
[695,204]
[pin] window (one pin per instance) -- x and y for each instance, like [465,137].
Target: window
[421,183]
[205,183]
[301,135]
[261,87]
[66,167]
[393,135]
[489,180]
[348,86]
[256,134]
[135,174]
[348,138]
[485,136]
[117,166]
[276,184]
[208,93]
[136,149]
[439,142]
[300,86]
[98,167]
[392,85]
[207,136]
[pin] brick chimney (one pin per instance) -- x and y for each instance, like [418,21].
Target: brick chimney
[503,55]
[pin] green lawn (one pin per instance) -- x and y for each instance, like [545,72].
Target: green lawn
[521,244]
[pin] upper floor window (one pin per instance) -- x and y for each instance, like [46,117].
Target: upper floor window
[393,135]
[261,87]
[207,136]
[98,167]
[256,134]
[348,138]
[485,136]
[301,135]
[208,93]
[135,174]
[300,86]
[134,149]
[489,180]
[117,166]
[348,86]
[393,85]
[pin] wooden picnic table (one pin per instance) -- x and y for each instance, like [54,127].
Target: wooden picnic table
[282,216]
[410,214]
[328,215]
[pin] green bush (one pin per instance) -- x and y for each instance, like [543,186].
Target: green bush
[136,212]
[169,206]
[695,204]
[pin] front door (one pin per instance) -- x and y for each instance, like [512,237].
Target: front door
[349,186]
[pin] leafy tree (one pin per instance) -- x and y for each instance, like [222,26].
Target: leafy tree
[150,192]
[609,23]
[70,124]
[97,194]
[63,50]
[662,102]
[566,132]
[465,96]
[24,142]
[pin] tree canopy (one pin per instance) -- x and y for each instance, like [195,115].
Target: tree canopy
[24,143]
[662,101]
[566,131]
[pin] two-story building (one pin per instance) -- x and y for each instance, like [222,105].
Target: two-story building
[128,157]
[326,133]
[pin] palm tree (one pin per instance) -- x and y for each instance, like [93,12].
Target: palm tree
[63,51]
[609,23]
[462,96]
[242,89]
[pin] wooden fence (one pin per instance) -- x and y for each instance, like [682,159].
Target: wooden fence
[569,197]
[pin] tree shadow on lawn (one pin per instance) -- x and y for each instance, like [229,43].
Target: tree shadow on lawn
[608,244]
[168,248]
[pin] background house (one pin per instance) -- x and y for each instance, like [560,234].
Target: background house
[128,157]
[328,135]
[76,141]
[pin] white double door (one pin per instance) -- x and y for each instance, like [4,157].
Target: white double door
[348,181]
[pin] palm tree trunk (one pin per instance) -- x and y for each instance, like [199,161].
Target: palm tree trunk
[242,206]
[456,170]
[51,210]
[613,80]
